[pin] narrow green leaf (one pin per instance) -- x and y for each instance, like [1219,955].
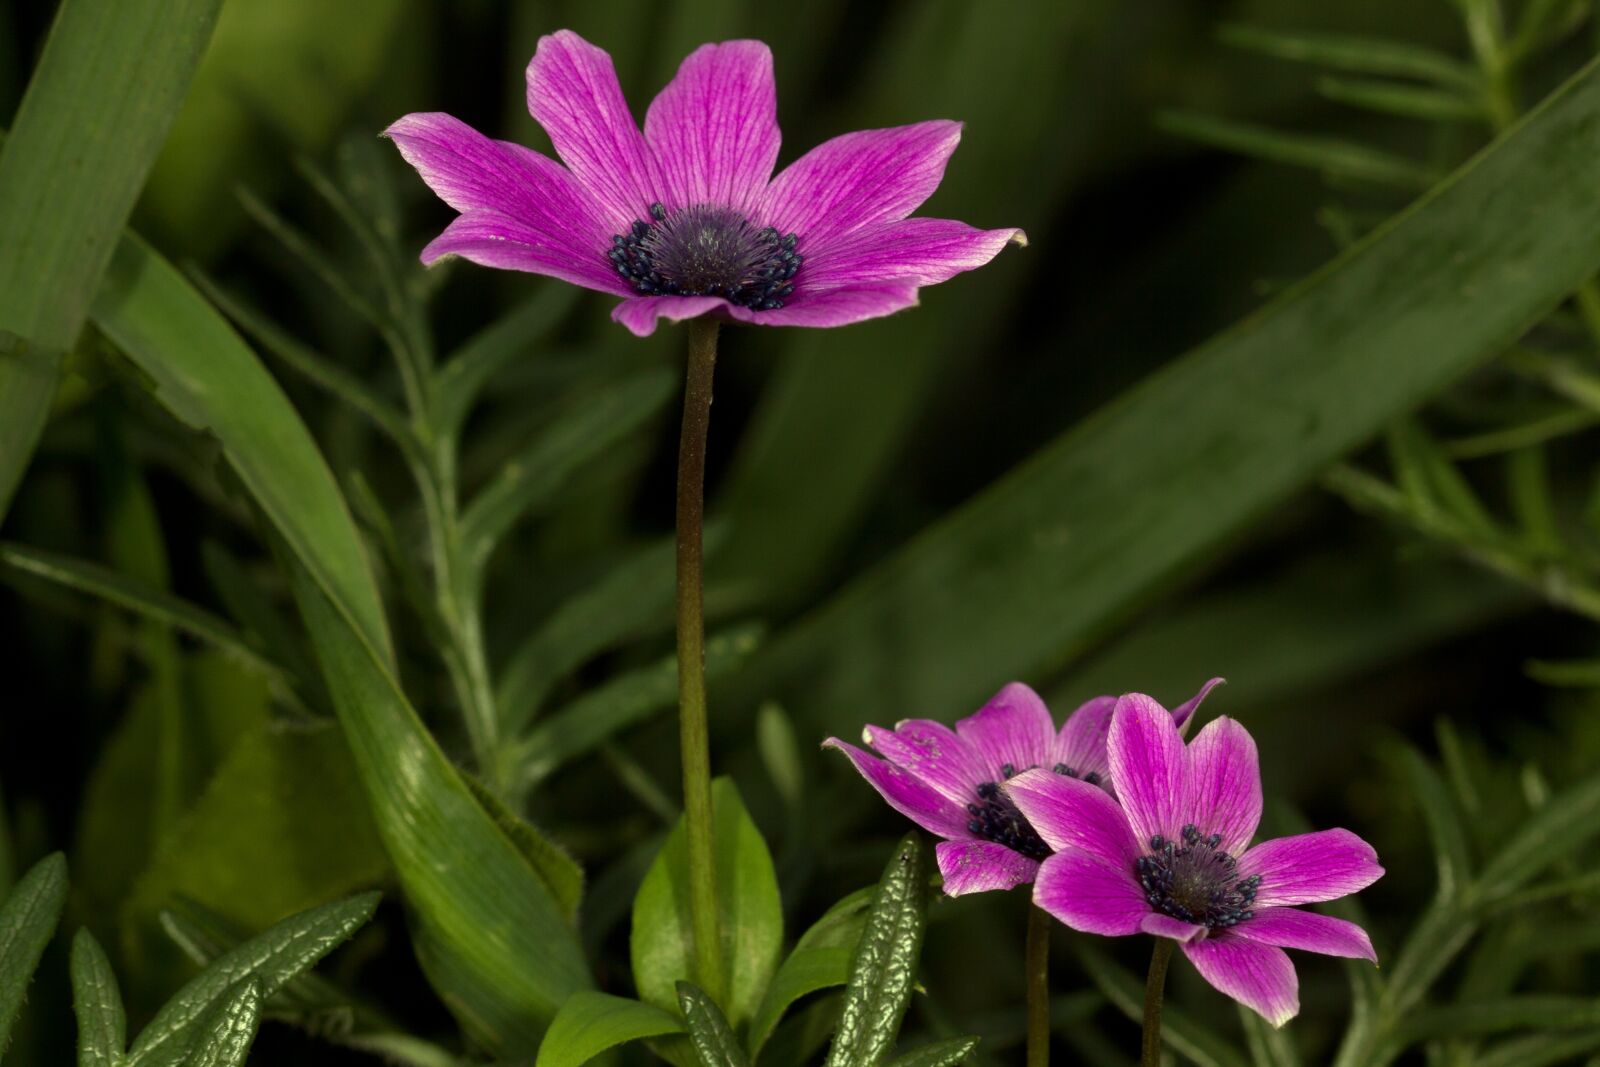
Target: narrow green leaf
[821,959]
[1553,831]
[601,713]
[550,458]
[260,619]
[1329,155]
[561,873]
[1431,480]
[946,1053]
[1540,1050]
[208,378]
[142,599]
[509,338]
[709,1032]
[1545,22]
[1270,1046]
[1561,422]
[590,1023]
[78,151]
[883,972]
[1150,489]
[224,1037]
[1199,1044]
[1359,55]
[97,1002]
[272,959]
[1406,101]
[1533,1012]
[27,921]
[1452,860]
[780,753]
[331,274]
[750,912]
[1532,502]
[1442,932]
[1578,674]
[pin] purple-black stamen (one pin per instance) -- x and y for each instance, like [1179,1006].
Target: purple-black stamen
[1193,880]
[995,818]
[706,250]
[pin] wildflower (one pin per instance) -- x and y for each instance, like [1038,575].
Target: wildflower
[1172,858]
[949,782]
[685,218]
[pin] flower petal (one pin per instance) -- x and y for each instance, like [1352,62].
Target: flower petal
[640,313]
[1308,868]
[1160,925]
[496,240]
[1068,813]
[1147,767]
[922,804]
[1184,713]
[1293,928]
[1224,784]
[1260,977]
[714,128]
[1012,729]
[574,94]
[1086,894]
[1081,744]
[979,866]
[934,753]
[927,251]
[834,307]
[858,179]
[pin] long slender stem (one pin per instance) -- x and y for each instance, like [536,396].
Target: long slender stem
[1038,967]
[1154,987]
[693,735]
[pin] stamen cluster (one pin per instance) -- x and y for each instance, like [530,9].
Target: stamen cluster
[706,250]
[1196,881]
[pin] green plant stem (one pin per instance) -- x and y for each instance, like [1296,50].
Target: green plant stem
[1038,980]
[693,736]
[1155,985]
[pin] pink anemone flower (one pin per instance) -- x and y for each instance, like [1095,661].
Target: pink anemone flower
[1173,858]
[949,782]
[685,217]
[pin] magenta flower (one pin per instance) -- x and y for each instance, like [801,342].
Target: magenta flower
[949,781]
[685,218]
[1171,859]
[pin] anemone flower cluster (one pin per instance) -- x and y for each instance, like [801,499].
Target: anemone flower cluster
[685,217]
[1155,839]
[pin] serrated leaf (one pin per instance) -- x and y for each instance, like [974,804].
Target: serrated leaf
[883,972]
[555,864]
[1361,55]
[224,1037]
[709,1033]
[590,1023]
[750,919]
[27,921]
[946,1053]
[1329,155]
[1179,1030]
[272,959]
[97,1002]
[78,152]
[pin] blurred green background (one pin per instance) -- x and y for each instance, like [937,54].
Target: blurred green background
[848,476]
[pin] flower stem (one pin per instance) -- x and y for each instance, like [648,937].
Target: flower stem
[1150,1051]
[1038,967]
[693,736]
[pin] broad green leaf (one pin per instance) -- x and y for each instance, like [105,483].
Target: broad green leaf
[148,601]
[509,338]
[821,959]
[1407,101]
[550,458]
[709,1032]
[946,1053]
[1178,1029]
[601,713]
[224,1038]
[1142,494]
[27,921]
[590,1023]
[77,154]
[555,864]
[751,917]
[272,958]
[97,1002]
[883,972]
[1329,155]
[208,378]
[1359,55]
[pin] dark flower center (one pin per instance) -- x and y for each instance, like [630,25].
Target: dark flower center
[995,818]
[1196,881]
[706,250]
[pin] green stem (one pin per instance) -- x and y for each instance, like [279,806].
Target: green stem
[1150,1051]
[693,735]
[1038,968]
